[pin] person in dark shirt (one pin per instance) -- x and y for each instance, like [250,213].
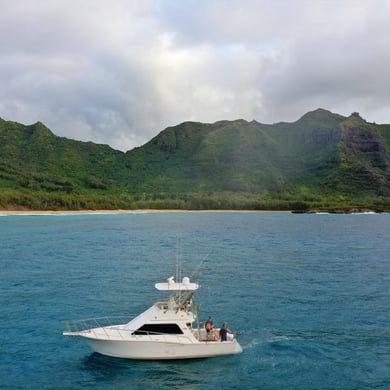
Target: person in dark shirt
[223,332]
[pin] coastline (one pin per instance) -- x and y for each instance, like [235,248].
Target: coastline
[123,211]
[6,212]
[54,212]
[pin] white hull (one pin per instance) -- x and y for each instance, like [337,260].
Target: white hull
[162,350]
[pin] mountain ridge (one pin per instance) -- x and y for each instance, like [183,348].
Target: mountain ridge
[322,157]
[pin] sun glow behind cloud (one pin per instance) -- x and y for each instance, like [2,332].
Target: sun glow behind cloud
[119,72]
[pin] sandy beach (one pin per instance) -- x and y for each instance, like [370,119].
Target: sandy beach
[121,211]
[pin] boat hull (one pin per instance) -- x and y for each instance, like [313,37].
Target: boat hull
[162,350]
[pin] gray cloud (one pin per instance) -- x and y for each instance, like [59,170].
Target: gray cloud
[119,72]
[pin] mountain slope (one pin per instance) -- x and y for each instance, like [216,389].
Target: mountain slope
[33,157]
[316,152]
[364,152]
[322,156]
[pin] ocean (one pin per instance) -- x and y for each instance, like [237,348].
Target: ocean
[308,294]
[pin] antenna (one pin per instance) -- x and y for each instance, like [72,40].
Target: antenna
[197,268]
[178,265]
[178,261]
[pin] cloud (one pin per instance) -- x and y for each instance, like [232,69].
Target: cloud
[119,72]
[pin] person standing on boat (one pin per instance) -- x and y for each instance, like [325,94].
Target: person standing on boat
[209,325]
[223,332]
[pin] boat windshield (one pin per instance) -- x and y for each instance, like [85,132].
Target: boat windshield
[158,329]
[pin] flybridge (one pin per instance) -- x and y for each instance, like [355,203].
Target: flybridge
[171,285]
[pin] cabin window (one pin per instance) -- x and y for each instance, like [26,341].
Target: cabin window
[158,329]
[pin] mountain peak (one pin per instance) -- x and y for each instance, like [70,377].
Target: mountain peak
[356,115]
[39,129]
[319,113]
[321,118]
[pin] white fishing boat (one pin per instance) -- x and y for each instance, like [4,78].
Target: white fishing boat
[169,329]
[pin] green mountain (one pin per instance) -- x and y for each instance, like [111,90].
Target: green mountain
[321,151]
[323,159]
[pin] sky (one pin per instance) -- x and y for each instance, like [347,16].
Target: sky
[118,72]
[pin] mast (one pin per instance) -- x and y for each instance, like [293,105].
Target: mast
[178,266]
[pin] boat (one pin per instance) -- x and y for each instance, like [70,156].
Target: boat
[169,329]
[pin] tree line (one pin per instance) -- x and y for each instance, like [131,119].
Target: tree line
[16,199]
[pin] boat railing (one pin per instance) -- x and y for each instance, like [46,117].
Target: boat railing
[108,326]
[89,324]
[213,335]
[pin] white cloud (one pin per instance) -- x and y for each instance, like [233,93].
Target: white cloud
[119,72]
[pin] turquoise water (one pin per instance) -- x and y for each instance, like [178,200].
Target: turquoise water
[308,294]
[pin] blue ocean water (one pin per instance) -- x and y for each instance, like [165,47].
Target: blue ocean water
[308,294]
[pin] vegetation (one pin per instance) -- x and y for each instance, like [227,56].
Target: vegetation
[322,161]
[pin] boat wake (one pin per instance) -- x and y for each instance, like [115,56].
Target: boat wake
[274,339]
[254,343]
